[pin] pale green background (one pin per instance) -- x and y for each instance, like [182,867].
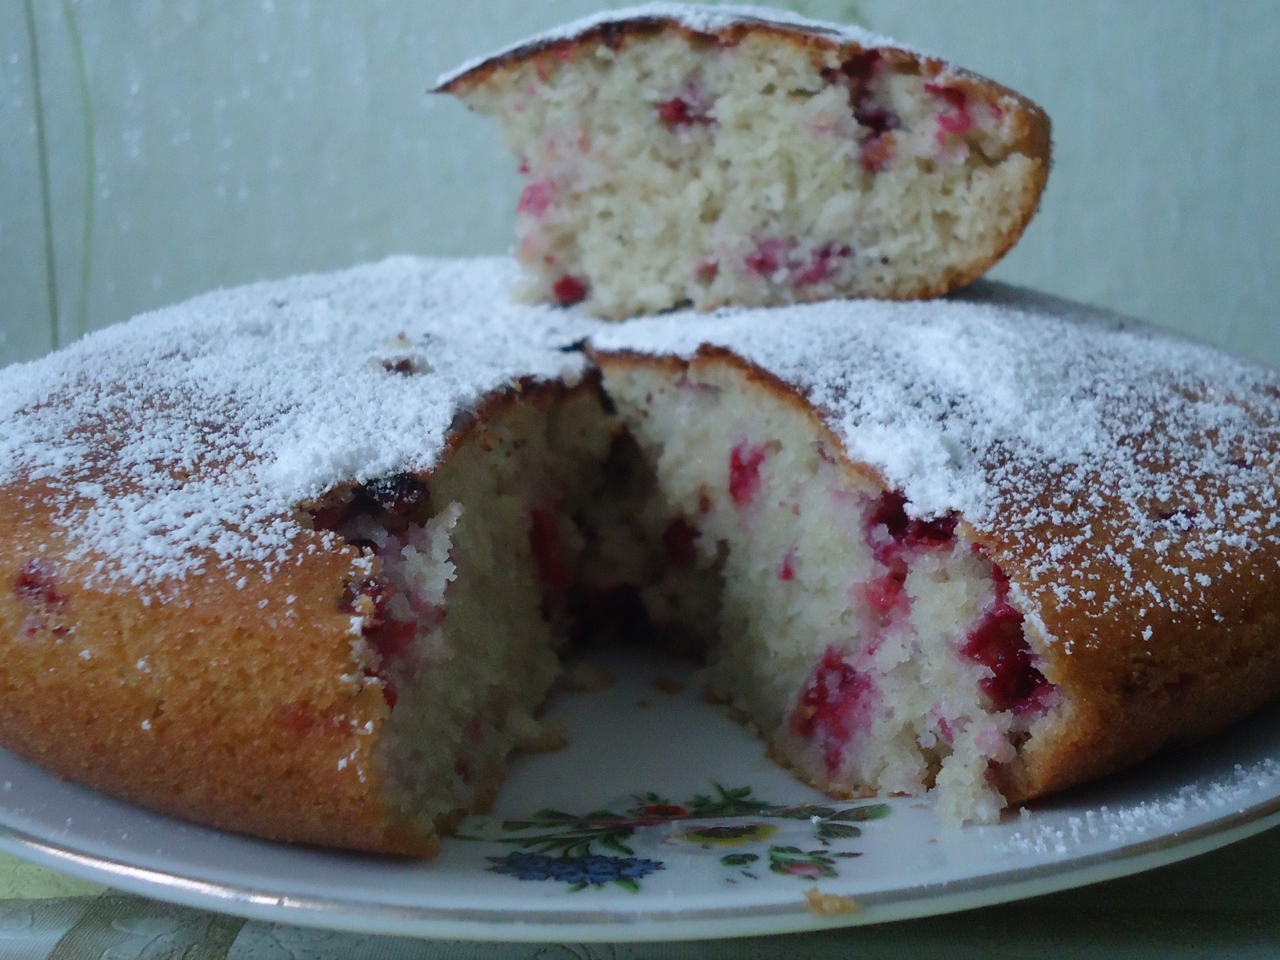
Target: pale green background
[193,143]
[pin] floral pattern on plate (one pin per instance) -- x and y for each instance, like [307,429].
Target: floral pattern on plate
[599,848]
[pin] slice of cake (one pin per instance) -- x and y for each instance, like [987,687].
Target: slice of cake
[695,155]
[268,562]
[298,559]
[993,546]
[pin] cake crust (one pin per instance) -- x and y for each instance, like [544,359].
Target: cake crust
[224,704]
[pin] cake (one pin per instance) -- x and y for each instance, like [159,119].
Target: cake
[298,559]
[681,155]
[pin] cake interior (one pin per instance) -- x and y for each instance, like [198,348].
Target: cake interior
[689,505]
[669,170]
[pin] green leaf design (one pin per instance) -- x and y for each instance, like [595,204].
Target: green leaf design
[830,830]
[726,835]
[626,883]
[613,841]
[868,811]
[793,813]
[739,859]
[548,816]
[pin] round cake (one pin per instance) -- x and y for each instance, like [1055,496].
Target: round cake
[297,559]
[680,155]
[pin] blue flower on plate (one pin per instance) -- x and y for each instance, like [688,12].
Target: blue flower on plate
[579,872]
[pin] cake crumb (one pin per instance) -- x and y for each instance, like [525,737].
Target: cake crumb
[587,678]
[829,904]
[535,737]
[667,684]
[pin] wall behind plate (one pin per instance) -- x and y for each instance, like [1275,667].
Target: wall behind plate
[151,149]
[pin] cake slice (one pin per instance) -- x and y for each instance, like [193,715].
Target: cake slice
[693,155]
[269,564]
[992,589]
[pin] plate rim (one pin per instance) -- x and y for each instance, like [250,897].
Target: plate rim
[610,925]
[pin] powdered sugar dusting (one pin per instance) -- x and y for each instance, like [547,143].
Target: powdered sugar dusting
[1093,447]
[1116,468]
[195,431]
[1149,818]
[701,18]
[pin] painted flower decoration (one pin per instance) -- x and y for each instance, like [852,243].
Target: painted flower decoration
[582,849]
[594,870]
[665,811]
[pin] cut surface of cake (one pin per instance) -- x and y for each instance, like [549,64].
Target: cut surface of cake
[694,155]
[337,530]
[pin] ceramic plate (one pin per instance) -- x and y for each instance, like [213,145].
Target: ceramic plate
[663,820]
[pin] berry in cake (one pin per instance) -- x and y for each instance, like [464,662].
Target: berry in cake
[708,156]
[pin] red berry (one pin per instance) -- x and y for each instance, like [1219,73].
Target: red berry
[768,255]
[787,569]
[674,113]
[820,265]
[958,121]
[998,642]
[744,472]
[569,290]
[37,583]
[392,638]
[678,112]
[832,706]
[890,512]
[544,541]
[885,594]
[536,198]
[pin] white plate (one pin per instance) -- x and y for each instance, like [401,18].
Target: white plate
[683,830]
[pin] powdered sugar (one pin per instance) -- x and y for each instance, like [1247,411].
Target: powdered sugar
[1092,450]
[701,18]
[1149,818]
[1049,427]
[193,432]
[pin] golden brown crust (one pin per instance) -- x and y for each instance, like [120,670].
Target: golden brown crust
[237,705]
[1133,693]
[220,705]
